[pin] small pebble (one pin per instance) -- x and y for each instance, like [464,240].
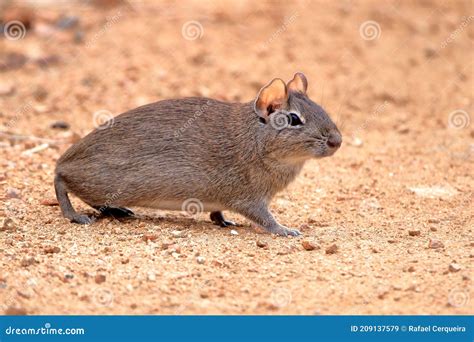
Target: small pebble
[175,255]
[332,249]
[6,89]
[177,233]
[13,193]
[200,260]
[151,276]
[67,22]
[28,261]
[234,232]
[435,244]
[356,142]
[309,246]
[60,125]
[49,202]
[453,267]
[15,311]
[261,244]
[7,224]
[100,278]
[40,94]
[149,237]
[52,249]
[414,232]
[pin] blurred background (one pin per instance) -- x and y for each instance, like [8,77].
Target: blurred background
[396,200]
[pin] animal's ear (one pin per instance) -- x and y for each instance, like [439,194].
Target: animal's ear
[271,97]
[299,83]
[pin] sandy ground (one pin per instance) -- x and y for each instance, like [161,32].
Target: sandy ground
[390,215]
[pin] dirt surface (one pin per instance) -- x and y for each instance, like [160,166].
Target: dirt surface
[389,216]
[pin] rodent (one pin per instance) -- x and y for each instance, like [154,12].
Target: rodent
[229,156]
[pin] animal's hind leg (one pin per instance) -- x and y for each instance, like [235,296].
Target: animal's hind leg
[65,204]
[218,218]
[114,211]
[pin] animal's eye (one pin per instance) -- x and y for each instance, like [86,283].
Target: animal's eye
[294,120]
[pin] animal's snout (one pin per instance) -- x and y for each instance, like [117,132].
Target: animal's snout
[334,140]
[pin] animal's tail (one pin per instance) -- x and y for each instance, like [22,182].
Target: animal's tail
[65,204]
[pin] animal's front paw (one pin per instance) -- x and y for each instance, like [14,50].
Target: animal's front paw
[284,231]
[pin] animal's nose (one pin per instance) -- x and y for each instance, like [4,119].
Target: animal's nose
[334,140]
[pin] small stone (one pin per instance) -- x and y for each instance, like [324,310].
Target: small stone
[217,263]
[234,232]
[79,37]
[15,311]
[261,244]
[12,61]
[151,276]
[49,202]
[7,224]
[356,142]
[200,260]
[149,237]
[453,267]
[175,255]
[309,246]
[67,22]
[60,125]
[433,221]
[23,294]
[332,249]
[174,249]
[177,233]
[13,193]
[435,244]
[433,229]
[100,278]
[40,94]
[414,232]
[27,261]
[411,269]
[41,108]
[165,245]
[52,249]
[6,89]
[125,261]
[403,129]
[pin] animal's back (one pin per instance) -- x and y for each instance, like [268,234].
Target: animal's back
[166,150]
